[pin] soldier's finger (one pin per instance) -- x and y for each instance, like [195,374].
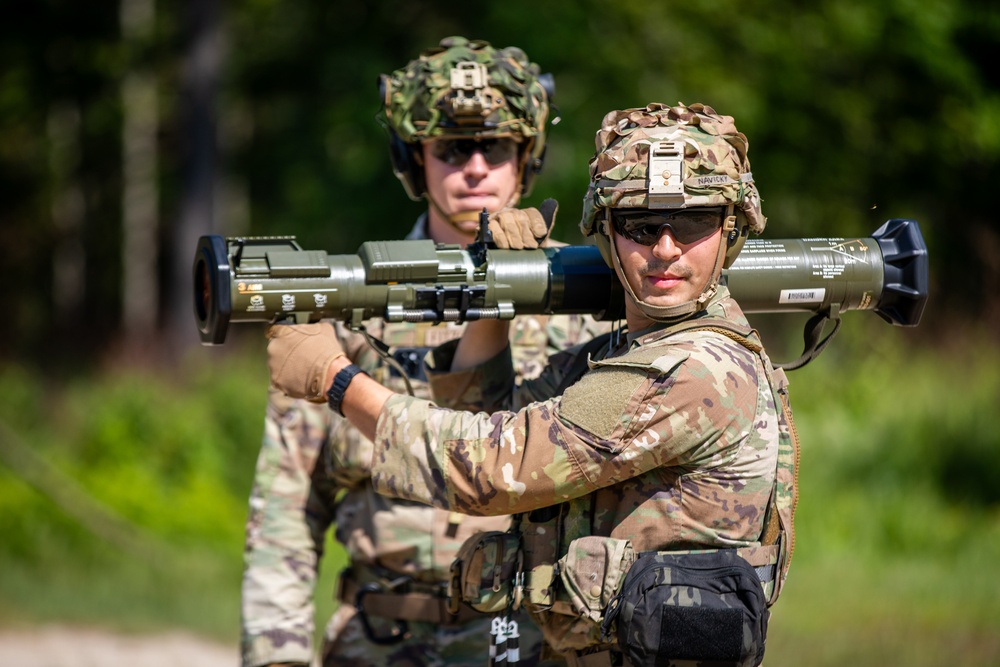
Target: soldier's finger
[505,230]
[536,225]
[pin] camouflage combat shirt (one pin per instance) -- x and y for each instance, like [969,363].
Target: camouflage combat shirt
[669,441]
[313,473]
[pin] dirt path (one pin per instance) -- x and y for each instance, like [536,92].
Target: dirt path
[62,646]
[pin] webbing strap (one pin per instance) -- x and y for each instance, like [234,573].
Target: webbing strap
[811,337]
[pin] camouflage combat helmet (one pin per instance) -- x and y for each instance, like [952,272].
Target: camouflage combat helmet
[671,157]
[465,89]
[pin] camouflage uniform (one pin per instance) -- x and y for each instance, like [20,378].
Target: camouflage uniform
[670,441]
[312,472]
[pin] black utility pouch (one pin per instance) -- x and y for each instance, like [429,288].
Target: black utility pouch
[707,607]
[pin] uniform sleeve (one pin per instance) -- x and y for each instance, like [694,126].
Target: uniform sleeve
[618,422]
[286,526]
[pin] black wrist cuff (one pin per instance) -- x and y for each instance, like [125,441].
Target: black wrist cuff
[335,396]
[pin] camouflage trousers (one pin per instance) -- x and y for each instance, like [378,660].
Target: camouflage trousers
[427,645]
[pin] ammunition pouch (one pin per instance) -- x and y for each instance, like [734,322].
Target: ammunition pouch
[486,573]
[592,573]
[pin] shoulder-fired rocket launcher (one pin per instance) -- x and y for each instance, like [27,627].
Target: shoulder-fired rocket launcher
[270,279]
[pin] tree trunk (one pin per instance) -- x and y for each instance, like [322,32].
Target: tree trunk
[69,259]
[140,193]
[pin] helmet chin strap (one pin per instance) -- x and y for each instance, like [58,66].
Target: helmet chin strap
[670,314]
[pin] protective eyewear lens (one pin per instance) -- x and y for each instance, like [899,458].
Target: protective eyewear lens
[686,225]
[457,152]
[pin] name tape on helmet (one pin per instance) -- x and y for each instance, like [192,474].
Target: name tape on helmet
[717,179]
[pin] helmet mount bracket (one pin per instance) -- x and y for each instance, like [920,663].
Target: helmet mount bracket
[666,174]
[469,80]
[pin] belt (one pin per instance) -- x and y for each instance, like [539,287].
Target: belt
[426,607]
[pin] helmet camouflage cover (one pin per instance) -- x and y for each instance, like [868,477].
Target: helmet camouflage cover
[715,168]
[464,88]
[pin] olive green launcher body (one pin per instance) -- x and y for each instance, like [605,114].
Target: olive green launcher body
[268,279]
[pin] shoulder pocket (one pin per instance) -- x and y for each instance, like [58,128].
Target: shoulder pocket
[602,400]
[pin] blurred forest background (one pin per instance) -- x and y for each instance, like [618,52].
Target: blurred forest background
[130,128]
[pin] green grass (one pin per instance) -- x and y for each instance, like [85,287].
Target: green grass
[846,612]
[898,521]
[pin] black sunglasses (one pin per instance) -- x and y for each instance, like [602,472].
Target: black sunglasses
[687,225]
[457,152]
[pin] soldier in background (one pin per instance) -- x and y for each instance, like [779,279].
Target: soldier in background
[673,447]
[467,126]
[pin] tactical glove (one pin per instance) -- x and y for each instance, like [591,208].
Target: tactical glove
[299,358]
[523,228]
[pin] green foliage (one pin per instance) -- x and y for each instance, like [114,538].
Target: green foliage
[173,456]
[167,458]
[928,424]
[34,529]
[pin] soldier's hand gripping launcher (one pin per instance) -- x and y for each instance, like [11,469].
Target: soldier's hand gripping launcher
[268,279]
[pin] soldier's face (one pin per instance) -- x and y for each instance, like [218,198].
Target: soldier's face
[667,273]
[460,179]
